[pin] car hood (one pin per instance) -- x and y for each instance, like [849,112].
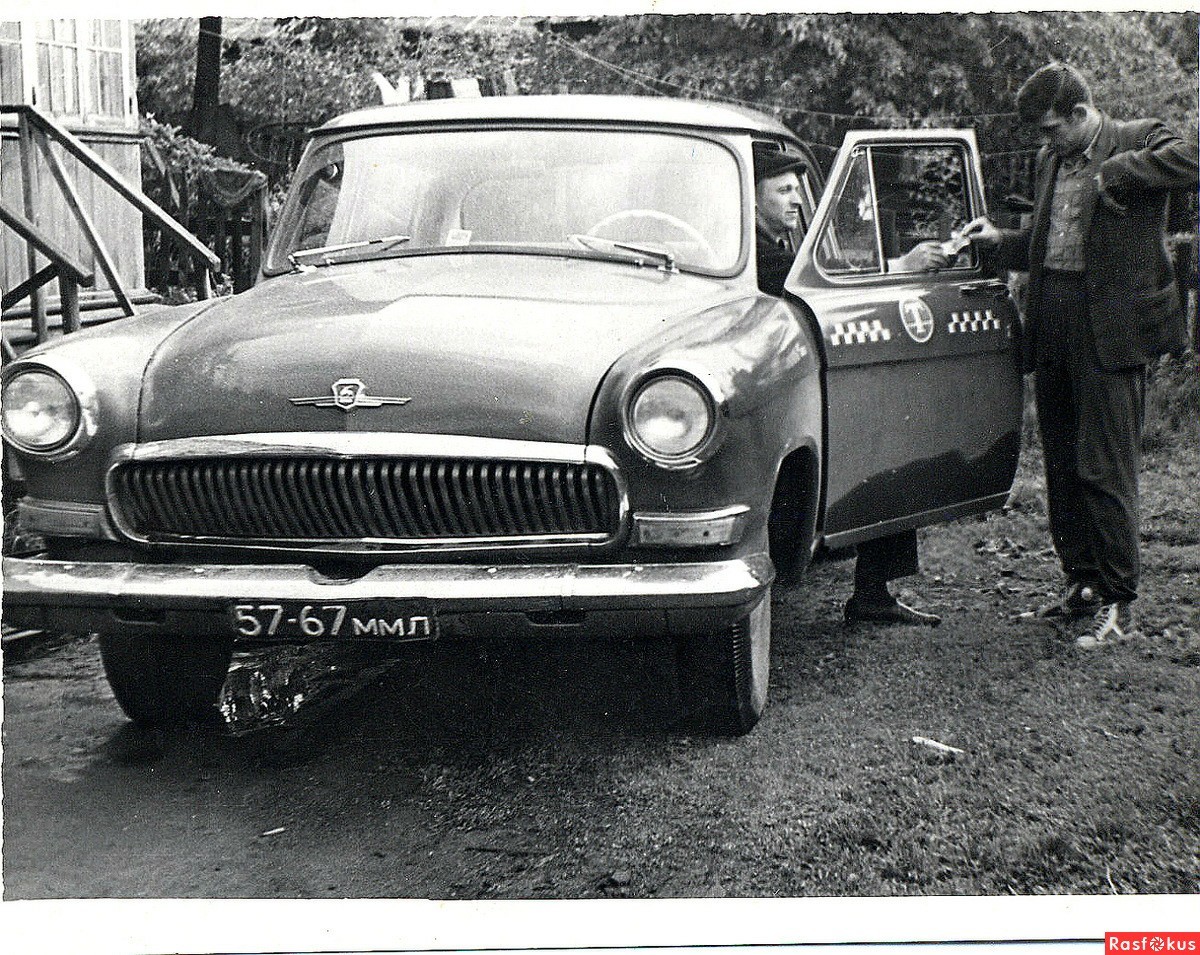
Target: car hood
[505,346]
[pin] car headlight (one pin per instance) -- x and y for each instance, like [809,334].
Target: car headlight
[669,419]
[45,415]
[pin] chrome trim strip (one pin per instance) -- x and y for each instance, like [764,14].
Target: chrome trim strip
[451,587]
[381,444]
[357,444]
[936,515]
[690,517]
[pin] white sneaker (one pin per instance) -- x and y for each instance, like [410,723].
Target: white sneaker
[1112,623]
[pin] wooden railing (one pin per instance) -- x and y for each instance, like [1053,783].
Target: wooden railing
[35,130]
[70,276]
[235,233]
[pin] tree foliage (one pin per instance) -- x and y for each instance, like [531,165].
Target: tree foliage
[825,73]
[308,69]
[820,73]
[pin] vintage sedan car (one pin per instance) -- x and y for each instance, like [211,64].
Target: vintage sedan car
[507,371]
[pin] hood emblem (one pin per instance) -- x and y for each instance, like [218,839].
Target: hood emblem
[348,394]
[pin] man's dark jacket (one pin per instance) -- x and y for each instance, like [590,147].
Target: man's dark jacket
[1133,301]
[774,263]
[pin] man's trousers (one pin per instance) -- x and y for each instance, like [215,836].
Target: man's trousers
[884,559]
[1091,426]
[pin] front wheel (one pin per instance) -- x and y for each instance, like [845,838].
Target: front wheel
[723,676]
[167,678]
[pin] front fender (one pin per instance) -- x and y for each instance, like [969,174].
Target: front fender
[112,358]
[758,352]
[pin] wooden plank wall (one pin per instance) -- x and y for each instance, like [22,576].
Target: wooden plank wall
[118,222]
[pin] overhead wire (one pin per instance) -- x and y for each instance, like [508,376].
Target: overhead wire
[656,84]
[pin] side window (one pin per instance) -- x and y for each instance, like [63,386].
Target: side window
[850,243]
[921,196]
[892,199]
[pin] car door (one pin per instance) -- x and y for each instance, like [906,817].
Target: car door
[923,383]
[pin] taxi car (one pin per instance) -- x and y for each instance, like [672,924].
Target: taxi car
[508,370]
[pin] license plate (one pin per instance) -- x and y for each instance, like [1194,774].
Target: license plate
[390,620]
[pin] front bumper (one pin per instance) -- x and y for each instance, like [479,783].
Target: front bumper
[469,600]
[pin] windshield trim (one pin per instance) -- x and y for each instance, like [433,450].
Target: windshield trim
[726,140]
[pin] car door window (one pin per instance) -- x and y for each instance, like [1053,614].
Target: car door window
[921,195]
[850,243]
[891,199]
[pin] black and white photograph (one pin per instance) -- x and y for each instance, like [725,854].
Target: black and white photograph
[648,477]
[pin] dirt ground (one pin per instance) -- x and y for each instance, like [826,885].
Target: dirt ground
[551,770]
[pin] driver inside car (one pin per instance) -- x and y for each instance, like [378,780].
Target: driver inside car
[777,230]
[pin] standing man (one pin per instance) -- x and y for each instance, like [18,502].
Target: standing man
[1102,302]
[777,220]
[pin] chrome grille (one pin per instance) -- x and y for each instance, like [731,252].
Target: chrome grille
[397,500]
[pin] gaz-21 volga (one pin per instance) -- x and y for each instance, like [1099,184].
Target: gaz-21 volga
[508,370]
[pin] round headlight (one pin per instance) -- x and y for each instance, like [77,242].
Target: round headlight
[40,411]
[670,417]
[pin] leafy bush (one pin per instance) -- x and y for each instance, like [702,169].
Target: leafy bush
[173,166]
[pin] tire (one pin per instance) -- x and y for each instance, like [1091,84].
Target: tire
[162,679]
[723,676]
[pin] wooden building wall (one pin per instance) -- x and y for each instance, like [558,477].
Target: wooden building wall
[80,72]
[118,222]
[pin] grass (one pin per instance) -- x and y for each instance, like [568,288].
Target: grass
[1081,771]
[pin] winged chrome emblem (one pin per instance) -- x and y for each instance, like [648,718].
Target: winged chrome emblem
[348,394]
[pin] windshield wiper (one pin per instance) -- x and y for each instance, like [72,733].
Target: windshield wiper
[626,251]
[331,254]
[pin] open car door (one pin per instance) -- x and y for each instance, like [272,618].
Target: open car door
[923,382]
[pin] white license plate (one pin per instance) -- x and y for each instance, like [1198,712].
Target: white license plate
[389,620]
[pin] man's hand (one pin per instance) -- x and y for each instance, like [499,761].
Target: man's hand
[922,257]
[982,233]
[1106,197]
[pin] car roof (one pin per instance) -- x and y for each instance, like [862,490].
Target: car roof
[639,110]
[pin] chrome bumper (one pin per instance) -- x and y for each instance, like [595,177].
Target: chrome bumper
[96,596]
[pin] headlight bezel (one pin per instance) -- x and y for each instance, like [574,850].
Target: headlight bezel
[80,386]
[715,404]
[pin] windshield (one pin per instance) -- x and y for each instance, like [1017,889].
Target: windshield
[524,190]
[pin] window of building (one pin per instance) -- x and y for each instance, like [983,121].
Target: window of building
[75,69]
[58,67]
[12,76]
[105,55]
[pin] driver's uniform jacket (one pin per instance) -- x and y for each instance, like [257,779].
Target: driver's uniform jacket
[1133,302]
[774,262]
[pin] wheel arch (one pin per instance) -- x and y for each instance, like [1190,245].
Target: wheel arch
[795,505]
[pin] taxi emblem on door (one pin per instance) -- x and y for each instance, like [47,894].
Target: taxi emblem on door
[917,318]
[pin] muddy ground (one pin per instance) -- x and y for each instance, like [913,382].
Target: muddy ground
[551,770]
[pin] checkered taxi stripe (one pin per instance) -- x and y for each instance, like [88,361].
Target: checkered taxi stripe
[973,322]
[859,333]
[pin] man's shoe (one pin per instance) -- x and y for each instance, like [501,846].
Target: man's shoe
[1111,624]
[1078,600]
[893,611]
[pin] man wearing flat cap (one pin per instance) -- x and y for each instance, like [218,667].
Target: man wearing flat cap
[776,216]
[777,219]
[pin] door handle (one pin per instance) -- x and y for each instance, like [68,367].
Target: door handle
[989,289]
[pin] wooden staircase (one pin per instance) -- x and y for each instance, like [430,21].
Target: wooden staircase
[30,323]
